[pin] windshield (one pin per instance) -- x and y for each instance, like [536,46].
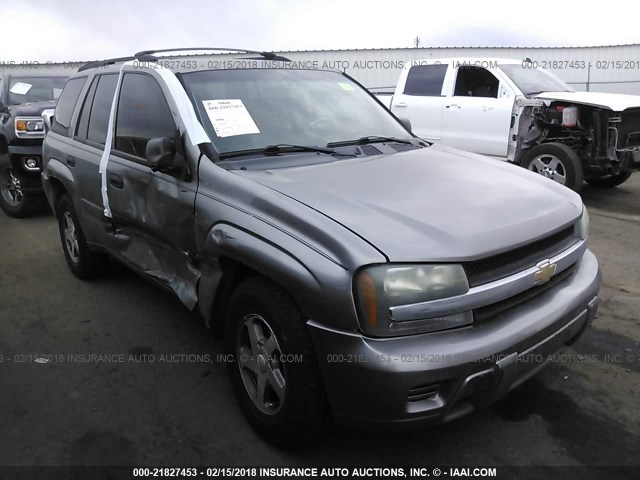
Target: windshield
[35,89]
[534,80]
[254,108]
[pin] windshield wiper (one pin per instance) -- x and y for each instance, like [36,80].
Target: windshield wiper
[281,148]
[369,139]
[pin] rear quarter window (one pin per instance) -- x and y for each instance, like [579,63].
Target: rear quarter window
[66,105]
[425,80]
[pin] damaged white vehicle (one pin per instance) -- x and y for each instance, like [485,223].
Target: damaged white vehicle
[510,110]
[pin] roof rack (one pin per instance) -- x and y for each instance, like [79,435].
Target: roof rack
[150,56]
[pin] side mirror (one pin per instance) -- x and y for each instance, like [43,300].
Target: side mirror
[160,154]
[405,122]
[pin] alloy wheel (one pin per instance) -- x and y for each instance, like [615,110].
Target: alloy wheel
[262,372]
[10,187]
[71,237]
[549,166]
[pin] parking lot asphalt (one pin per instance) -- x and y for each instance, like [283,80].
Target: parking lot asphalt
[131,407]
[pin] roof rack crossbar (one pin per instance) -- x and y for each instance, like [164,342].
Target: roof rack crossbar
[111,61]
[149,56]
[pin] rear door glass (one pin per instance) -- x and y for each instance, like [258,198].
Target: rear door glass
[101,108]
[425,80]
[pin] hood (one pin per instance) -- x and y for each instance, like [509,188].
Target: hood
[612,101]
[32,109]
[431,204]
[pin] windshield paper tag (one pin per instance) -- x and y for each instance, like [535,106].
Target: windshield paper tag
[230,118]
[20,88]
[345,86]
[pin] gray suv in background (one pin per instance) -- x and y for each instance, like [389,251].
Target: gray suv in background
[356,272]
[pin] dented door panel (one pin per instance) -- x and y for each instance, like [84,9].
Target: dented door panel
[153,225]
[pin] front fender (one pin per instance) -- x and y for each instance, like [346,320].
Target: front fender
[321,287]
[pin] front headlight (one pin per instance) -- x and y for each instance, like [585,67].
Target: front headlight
[29,127]
[583,226]
[381,287]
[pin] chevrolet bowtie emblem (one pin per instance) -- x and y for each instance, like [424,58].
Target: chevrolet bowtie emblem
[546,270]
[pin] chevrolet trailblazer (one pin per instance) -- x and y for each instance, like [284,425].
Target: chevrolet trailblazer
[356,272]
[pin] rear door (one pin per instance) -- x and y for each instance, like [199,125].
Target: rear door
[477,116]
[153,212]
[420,98]
[90,135]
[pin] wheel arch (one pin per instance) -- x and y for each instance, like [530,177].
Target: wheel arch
[233,255]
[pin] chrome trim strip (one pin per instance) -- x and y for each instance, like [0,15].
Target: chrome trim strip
[488,293]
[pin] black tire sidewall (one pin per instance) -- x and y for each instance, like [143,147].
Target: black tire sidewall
[610,181]
[282,427]
[566,155]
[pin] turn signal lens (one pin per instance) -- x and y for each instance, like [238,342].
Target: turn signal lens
[369,298]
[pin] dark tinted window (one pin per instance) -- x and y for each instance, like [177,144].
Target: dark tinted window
[143,114]
[425,80]
[476,82]
[101,108]
[66,105]
[83,122]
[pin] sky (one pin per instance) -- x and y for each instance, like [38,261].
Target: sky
[71,30]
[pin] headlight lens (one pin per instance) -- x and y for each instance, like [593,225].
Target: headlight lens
[29,127]
[381,287]
[583,226]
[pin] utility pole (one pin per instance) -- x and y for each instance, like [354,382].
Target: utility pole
[416,42]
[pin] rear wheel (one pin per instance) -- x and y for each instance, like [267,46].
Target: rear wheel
[274,372]
[557,162]
[83,262]
[13,200]
[610,181]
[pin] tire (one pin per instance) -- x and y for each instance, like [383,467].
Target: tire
[610,181]
[292,410]
[83,262]
[556,161]
[13,201]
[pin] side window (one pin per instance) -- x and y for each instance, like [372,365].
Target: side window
[143,113]
[425,80]
[476,82]
[83,123]
[66,105]
[101,108]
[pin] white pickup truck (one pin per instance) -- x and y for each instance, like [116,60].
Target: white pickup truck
[510,110]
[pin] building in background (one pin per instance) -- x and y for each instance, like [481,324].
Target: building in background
[614,68]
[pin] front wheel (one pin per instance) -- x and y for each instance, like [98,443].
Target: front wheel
[610,181]
[13,200]
[274,371]
[81,260]
[557,162]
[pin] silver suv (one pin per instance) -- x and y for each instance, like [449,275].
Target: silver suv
[356,271]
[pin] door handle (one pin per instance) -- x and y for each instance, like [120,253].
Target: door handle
[486,108]
[116,180]
[453,105]
[71,161]
[400,104]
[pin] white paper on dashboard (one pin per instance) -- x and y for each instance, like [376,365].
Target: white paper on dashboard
[20,88]
[230,117]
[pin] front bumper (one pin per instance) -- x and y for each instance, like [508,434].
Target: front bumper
[405,382]
[29,179]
